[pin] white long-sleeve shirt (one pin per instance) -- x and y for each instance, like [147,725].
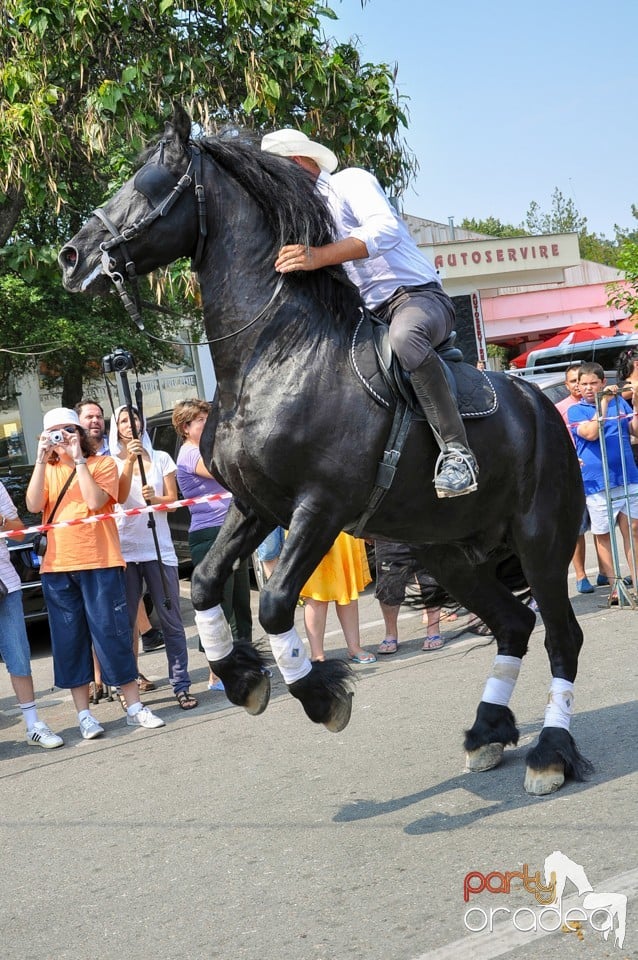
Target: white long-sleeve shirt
[361,209]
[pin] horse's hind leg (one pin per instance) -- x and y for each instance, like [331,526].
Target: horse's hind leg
[556,755]
[511,622]
[494,726]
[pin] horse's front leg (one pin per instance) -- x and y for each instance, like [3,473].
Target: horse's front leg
[240,665]
[323,688]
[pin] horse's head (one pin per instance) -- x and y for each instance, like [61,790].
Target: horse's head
[151,220]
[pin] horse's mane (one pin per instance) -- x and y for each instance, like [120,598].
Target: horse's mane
[294,211]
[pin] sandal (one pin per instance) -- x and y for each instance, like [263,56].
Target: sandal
[144,685]
[185,700]
[434,642]
[388,646]
[476,625]
[122,699]
[363,658]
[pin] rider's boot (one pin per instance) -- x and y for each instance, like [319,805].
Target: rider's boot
[456,470]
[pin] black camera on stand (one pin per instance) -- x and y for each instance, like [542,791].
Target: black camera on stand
[118,362]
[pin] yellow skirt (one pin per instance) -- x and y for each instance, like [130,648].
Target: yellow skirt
[342,574]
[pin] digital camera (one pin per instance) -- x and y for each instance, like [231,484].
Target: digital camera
[118,361]
[55,436]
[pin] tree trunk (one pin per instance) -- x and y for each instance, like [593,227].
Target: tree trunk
[10,211]
[72,384]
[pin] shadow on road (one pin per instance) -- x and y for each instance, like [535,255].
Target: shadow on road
[607,737]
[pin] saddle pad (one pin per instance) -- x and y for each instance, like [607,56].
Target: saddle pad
[472,388]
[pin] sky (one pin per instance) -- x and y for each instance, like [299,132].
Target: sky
[509,101]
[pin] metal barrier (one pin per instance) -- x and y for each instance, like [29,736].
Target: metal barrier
[626,593]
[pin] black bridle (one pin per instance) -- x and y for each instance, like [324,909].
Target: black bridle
[121,237]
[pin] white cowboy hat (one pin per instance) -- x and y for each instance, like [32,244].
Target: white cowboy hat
[294,143]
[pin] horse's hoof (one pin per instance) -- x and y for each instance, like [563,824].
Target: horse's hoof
[340,716]
[542,782]
[257,700]
[484,758]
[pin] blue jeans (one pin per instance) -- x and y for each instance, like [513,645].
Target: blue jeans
[89,606]
[14,643]
[170,618]
[270,548]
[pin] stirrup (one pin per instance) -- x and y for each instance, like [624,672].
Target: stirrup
[465,464]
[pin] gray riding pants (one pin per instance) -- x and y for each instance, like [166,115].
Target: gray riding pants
[420,318]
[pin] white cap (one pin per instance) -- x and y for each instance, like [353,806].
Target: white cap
[294,143]
[60,417]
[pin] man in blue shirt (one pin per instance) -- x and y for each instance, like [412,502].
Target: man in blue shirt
[395,281]
[619,420]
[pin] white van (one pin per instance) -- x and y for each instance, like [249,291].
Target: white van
[604,351]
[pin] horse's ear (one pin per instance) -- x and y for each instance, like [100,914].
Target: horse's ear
[180,123]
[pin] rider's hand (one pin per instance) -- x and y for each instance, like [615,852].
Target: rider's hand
[296,257]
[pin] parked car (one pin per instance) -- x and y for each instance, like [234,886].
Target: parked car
[552,384]
[23,556]
[605,351]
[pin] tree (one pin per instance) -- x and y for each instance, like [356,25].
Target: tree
[492,227]
[625,296]
[64,337]
[83,87]
[80,79]
[562,218]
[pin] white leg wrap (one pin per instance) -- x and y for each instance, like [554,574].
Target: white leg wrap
[214,632]
[290,654]
[560,704]
[500,685]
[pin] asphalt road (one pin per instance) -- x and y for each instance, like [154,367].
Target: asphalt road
[268,838]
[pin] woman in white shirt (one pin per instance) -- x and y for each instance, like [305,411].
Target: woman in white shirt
[138,545]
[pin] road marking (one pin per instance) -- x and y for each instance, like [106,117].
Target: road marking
[505,937]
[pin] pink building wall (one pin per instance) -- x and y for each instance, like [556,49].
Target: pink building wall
[526,315]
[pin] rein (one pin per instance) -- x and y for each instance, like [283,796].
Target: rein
[120,238]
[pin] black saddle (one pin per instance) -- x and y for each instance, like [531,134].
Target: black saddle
[386,381]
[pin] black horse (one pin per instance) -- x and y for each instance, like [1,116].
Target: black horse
[297,440]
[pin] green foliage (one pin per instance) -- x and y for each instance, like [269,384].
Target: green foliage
[80,80]
[69,334]
[625,296]
[492,227]
[84,85]
[563,217]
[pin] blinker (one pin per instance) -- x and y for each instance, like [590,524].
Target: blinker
[155,182]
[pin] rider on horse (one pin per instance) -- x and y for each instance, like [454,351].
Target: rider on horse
[396,282]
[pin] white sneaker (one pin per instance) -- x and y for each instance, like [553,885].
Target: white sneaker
[90,728]
[41,736]
[144,718]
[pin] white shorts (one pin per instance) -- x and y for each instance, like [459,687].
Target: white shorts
[597,506]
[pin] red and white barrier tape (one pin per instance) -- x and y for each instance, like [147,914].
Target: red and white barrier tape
[131,512]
